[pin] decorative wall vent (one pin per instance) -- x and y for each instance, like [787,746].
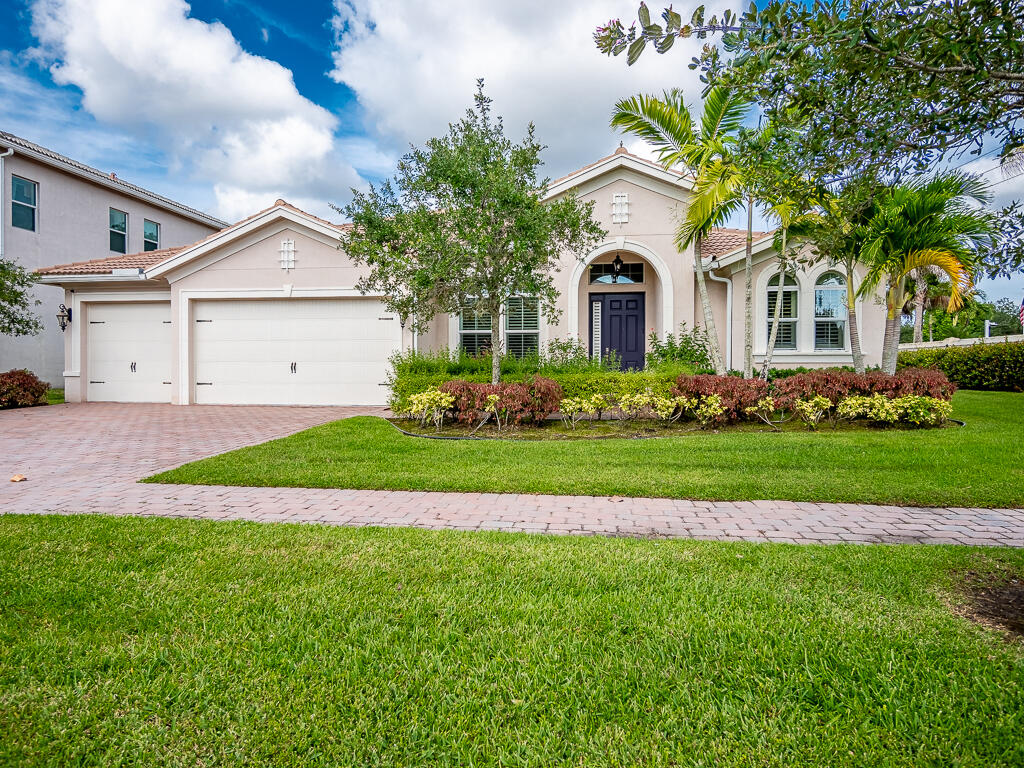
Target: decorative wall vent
[620,208]
[287,255]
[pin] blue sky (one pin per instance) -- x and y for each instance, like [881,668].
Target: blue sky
[229,104]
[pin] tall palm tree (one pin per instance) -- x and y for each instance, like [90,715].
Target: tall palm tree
[926,223]
[680,141]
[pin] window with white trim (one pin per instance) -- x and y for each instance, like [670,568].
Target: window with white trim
[474,330]
[620,208]
[118,231]
[830,312]
[786,338]
[150,235]
[24,194]
[522,326]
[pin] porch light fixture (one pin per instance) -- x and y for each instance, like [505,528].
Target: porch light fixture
[616,268]
[64,317]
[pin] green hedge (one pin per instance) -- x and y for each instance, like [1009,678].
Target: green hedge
[574,384]
[978,366]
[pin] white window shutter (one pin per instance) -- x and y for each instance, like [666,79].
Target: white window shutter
[287,255]
[620,208]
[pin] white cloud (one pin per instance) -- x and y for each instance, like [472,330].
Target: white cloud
[414,70]
[223,115]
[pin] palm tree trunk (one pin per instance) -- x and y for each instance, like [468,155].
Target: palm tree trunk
[709,318]
[776,317]
[891,339]
[851,320]
[919,298]
[748,295]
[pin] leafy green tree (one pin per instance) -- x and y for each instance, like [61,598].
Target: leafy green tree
[891,82]
[924,223]
[467,224]
[16,315]
[681,141]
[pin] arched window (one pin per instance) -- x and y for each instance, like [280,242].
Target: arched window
[786,338]
[830,311]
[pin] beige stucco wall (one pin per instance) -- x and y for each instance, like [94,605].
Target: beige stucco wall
[72,218]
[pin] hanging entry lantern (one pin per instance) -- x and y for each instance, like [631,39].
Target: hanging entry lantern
[616,268]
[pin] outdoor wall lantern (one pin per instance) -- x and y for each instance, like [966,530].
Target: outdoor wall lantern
[64,317]
[616,268]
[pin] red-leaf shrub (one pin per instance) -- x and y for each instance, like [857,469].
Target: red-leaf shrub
[21,388]
[534,400]
[836,385]
[736,393]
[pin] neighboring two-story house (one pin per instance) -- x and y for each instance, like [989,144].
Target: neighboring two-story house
[266,311]
[54,209]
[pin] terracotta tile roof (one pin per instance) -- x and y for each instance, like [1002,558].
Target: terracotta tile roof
[619,151]
[107,265]
[151,258]
[107,179]
[723,240]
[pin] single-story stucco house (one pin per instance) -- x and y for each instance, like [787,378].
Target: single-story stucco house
[265,311]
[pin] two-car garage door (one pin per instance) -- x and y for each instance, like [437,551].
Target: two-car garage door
[292,351]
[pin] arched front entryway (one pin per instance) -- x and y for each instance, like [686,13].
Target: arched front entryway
[617,311]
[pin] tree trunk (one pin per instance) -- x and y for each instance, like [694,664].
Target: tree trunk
[769,352]
[851,320]
[919,298]
[709,318]
[891,339]
[495,347]
[748,295]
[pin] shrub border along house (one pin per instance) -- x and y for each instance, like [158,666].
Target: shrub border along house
[912,397]
[998,367]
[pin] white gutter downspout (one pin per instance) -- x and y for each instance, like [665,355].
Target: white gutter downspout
[3,205]
[728,313]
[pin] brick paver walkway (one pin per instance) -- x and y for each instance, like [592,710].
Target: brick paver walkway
[87,458]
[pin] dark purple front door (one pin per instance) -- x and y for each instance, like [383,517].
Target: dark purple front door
[620,317]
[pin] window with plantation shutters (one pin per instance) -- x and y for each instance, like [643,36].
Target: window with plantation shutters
[830,313]
[620,208]
[474,330]
[522,326]
[786,338]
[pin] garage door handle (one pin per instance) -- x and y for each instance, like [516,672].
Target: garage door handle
[202,383]
[293,368]
[133,367]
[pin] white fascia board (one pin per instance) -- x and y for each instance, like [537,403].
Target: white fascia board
[102,278]
[738,254]
[613,162]
[240,230]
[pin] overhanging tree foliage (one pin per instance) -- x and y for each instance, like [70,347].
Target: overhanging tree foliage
[468,222]
[16,316]
[884,82]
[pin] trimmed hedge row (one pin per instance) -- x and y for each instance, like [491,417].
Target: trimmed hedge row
[577,384]
[998,367]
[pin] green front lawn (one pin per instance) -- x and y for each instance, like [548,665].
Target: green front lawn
[980,465]
[167,642]
[54,396]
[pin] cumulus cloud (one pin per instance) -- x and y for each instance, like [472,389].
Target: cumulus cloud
[221,113]
[414,69]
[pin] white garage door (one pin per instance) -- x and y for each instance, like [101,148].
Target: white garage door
[129,352]
[293,351]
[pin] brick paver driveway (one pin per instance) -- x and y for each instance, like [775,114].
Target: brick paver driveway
[87,458]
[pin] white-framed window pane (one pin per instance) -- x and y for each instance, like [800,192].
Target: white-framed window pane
[522,326]
[150,235]
[23,203]
[118,231]
[471,320]
[786,337]
[830,311]
[475,343]
[789,304]
[522,344]
[829,334]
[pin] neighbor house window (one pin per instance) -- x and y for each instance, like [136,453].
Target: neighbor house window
[830,311]
[786,338]
[603,273]
[150,235]
[118,231]
[620,208]
[522,326]
[474,329]
[23,203]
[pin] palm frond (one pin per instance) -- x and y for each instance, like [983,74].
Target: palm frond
[665,123]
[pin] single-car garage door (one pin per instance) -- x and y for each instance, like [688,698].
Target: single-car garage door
[129,352]
[293,351]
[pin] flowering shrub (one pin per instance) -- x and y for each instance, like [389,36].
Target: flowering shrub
[650,404]
[734,394]
[763,410]
[912,409]
[431,406]
[21,388]
[575,408]
[708,409]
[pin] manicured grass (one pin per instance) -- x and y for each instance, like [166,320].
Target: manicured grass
[54,396]
[165,642]
[980,465]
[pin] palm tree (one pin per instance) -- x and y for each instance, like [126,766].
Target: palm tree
[788,212]
[927,223]
[670,128]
